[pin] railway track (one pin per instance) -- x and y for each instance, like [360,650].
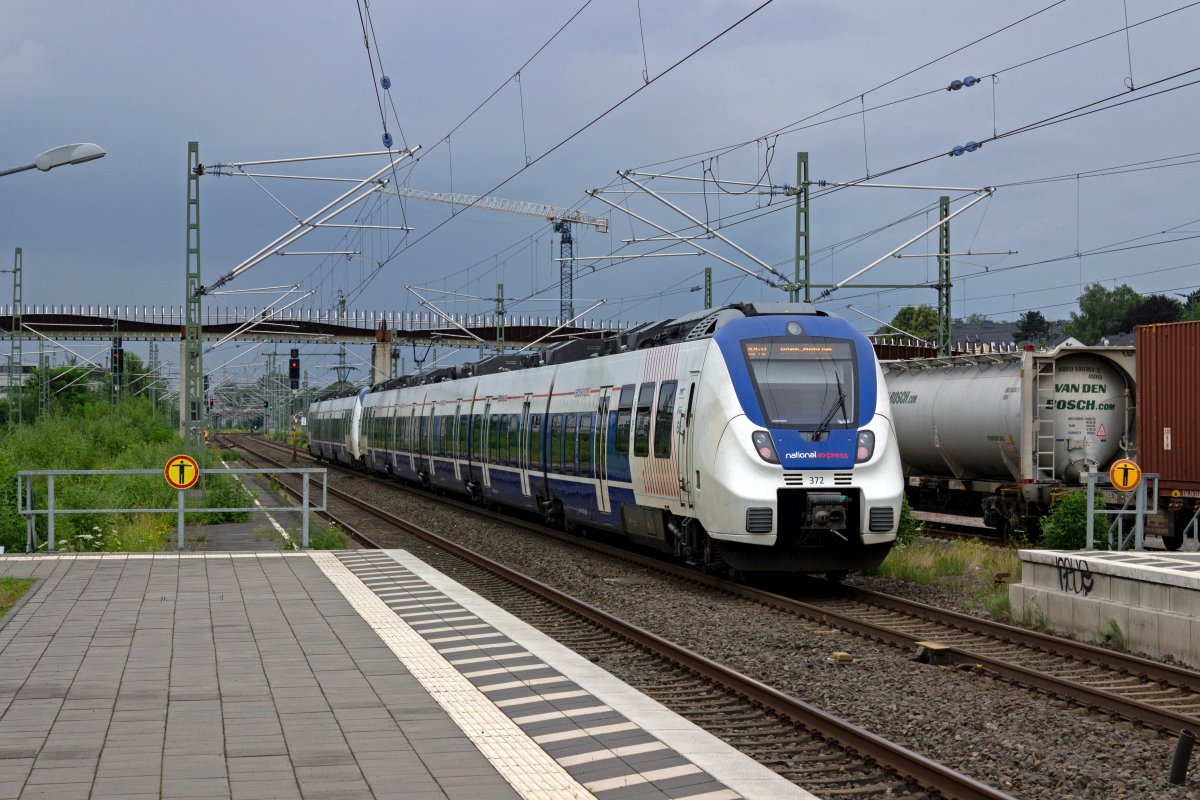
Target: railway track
[816,750]
[1146,692]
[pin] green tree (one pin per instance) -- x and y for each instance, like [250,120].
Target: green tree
[1191,308]
[1101,312]
[1031,327]
[1153,309]
[920,321]
[977,319]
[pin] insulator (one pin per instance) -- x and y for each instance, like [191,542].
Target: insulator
[385,82]
[970,81]
[954,86]
[957,150]
[387,140]
[973,146]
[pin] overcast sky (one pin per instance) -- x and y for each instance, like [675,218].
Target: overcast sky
[254,81]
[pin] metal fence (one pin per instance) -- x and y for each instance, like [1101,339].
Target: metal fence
[1136,506]
[27,499]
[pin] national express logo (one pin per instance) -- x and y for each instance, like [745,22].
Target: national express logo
[815,454]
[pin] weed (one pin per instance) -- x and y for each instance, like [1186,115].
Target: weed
[1033,616]
[1112,634]
[910,529]
[326,537]
[967,566]
[11,590]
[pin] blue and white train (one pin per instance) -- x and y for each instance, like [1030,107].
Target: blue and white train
[757,436]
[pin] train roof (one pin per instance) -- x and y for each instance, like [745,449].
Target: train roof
[698,325]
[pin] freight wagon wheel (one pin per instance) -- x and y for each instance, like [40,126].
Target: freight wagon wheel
[1173,542]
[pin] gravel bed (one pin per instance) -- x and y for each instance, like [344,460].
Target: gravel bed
[1025,743]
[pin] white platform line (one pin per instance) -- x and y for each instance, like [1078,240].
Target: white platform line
[570,712]
[529,682]
[458,662]
[579,733]
[527,768]
[483,673]
[464,637]
[471,648]
[616,752]
[539,698]
[637,778]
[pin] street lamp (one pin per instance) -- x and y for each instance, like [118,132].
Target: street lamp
[56,157]
[67,154]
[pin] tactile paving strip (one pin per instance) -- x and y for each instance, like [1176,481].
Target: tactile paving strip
[598,746]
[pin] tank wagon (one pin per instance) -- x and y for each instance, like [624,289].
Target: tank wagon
[755,436]
[995,434]
[1168,421]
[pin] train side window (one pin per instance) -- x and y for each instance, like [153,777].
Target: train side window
[492,436]
[585,445]
[514,438]
[462,435]
[624,415]
[641,423]
[477,438]
[556,429]
[662,419]
[535,442]
[569,445]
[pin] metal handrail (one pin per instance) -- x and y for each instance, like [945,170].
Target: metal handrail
[26,506]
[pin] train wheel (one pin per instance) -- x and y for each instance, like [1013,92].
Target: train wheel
[1173,542]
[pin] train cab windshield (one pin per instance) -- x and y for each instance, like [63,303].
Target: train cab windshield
[804,383]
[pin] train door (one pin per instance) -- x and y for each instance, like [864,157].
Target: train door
[457,451]
[486,449]
[522,459]
[429,440]
[410,443]
[603,504]
[685,408]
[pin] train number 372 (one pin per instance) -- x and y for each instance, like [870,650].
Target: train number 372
[814,480]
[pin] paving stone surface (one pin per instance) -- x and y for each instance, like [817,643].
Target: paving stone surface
[244,676]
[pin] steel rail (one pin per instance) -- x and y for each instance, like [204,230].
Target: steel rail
[926,772]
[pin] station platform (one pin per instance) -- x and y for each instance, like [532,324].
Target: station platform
[349,674]
[1147,602]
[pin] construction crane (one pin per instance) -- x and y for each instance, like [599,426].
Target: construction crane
[562,218]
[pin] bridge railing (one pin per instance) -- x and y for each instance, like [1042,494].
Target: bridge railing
[365,320]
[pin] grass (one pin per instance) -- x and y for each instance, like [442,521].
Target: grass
[982,572]
[95,435]
[321,536]
[11,590]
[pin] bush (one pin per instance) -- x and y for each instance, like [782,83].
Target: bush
[910,528]
[326,537]
[1065,527]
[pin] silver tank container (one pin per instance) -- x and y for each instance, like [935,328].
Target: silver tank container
[965,419]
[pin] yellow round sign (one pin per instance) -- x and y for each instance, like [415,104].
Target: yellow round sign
[181,472]
[1125,475]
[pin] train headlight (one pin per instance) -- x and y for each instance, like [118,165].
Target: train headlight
[765,447]
[866,446]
